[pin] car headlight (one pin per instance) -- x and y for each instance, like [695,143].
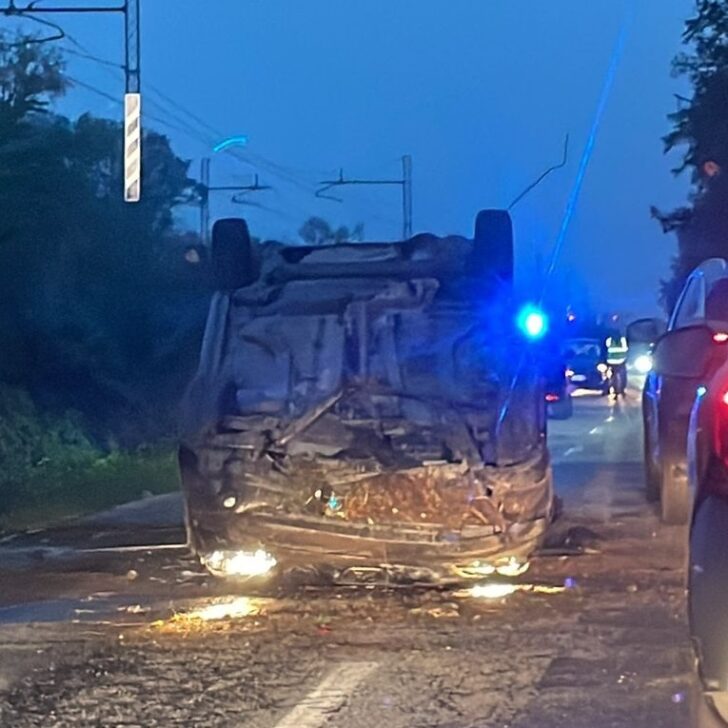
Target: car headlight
[238,563]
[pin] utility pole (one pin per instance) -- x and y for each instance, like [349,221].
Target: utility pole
[204,188]
[132,74]
[405,183]
[132,47]
[130,11]
[407,196]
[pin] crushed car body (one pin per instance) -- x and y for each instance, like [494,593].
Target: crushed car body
[367,408]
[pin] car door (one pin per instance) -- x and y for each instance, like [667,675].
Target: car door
[672,398]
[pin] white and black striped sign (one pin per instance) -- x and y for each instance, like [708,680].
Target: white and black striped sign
[132,148]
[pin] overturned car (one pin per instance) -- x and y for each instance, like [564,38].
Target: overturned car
[366,411]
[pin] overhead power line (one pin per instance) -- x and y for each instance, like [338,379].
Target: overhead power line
[200,130]
[120,102]
[405,183]
[175,116]
[128,8]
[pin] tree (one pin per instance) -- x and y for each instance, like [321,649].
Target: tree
[701,126]
[90,314]
[31,76]
[317,231]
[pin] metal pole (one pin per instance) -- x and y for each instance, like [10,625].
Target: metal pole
[132,47]
[407,196]
[132,72]
[205,200]
[12,9]
[132,99]
[405,183]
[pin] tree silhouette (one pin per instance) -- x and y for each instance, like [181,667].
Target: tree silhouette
[700,125]
[317,231]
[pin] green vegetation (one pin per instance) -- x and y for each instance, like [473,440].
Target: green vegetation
[100,316]
[51,470]
[101,307]
[700,127]
[56,490]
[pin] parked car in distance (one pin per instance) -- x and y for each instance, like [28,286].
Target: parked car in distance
[557,387]
[670,388]
[641,337]
[586,362]
[559,403]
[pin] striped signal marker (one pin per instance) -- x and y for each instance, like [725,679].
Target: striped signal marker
[132,148]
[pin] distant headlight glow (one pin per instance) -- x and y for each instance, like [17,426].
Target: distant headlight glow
[643,363]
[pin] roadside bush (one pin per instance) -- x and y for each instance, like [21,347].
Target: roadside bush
[30,441]
[50,469]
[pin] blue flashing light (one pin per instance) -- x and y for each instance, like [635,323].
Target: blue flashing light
[533,322]
[239,141]
[702,391]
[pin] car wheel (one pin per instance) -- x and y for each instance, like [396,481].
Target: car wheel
[234,264]
[493,243]
[674,495]
[652,473]
[707,571]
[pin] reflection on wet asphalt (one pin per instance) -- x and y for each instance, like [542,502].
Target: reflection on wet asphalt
[592,635]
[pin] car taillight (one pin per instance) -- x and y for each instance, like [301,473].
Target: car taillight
[552,398]
[720,427]
[720,337]
[716,480]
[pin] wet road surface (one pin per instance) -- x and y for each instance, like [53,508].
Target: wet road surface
[593,634]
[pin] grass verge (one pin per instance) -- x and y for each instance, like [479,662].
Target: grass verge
[54,490]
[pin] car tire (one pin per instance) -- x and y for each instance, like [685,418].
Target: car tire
[707,570]
[234,263]
[652,473]
[674,495]
[493,243]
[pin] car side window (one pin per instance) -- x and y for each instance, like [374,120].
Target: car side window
[691,307]
[716,300]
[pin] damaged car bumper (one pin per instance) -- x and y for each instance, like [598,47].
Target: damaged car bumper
[433,522]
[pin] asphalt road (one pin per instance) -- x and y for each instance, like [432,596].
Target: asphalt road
[593,636]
